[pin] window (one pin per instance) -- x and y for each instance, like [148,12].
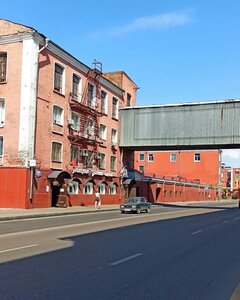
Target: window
[112,189]
[59,78]
[76,121]
[75,154]
[102,161]
[141,156]
[102,188]
[197,157]
[2,112]
[141,168]
[3,67]
[76,85]
[73,187]
[89,159]
[90,127]
[1,145]
[114,137]
[91,95]
[113,163]
[173,157]
[150,157]
[165,194]
[57,115]
[88,188]
[103,102]
[102,132]
[114,108]
[56,152]
[129,98]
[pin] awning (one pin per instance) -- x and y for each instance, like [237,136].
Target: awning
[56,174]
[129,181]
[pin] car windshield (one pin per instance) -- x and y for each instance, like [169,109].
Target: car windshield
[133,199]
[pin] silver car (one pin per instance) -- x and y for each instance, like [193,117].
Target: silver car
[136,204]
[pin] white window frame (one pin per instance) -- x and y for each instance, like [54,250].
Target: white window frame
[2,69]
[58,120]
[113,189]
[88,188]
[79,93]
[113,159]
[103,132]
[90,127]
[76,121]
[173,157]
[91,101]
[102,188]
[60,159]
[102,161]
[197,157]
[62,87]
[150,155]
[105,106]
[2,111]
[73,187]
[115,108]
[114,136]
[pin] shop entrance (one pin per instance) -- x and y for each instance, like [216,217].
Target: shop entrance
[59,188]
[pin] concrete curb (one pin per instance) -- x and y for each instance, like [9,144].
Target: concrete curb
[54,214]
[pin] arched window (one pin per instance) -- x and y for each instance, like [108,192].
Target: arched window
[112,189]
[102,188]
[88,188]
[73,186]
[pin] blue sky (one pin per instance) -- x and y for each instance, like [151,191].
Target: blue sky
[175,51]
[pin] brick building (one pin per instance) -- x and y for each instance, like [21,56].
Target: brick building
[59,127]
[180,175]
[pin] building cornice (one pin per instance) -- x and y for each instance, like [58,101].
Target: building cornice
[61,53]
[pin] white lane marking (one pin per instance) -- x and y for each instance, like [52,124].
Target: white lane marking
[125,259]
[226,221]
[19,248]
[196,232]
[236,218]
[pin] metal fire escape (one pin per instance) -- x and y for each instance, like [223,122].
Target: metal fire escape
[89,109]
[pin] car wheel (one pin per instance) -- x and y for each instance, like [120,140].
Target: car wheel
[148,210]
[122,211]
[138,210]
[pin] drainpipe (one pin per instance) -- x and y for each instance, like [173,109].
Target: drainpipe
[35,133]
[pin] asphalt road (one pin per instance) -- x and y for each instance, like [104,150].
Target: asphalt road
[173,253]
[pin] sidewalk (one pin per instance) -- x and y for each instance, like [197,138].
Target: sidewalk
[13,214]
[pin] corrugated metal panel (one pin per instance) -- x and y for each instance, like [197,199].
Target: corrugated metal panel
[202,124]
